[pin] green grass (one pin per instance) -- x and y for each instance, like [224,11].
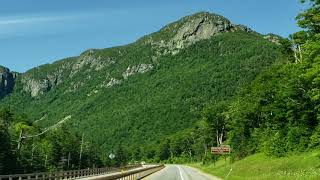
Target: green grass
[259,166]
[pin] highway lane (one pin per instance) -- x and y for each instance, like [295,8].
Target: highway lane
[179,172]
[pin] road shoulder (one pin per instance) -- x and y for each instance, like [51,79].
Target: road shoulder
[209,176]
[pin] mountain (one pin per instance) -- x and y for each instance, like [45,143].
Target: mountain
[139,93]
[7,81]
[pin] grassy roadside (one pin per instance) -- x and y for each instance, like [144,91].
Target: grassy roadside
[303,166]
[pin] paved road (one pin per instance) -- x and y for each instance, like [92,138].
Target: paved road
[178,172]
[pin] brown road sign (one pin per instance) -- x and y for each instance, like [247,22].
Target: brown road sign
[221,150]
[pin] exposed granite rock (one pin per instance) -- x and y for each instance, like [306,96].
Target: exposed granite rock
[194,28]
[200,28]
[74,86]
[7,81]
[273,38]
[88,58]
[95,91]
[39,86]
[141,68]
[40,80]
[36,87]
[130,71]
[113,82]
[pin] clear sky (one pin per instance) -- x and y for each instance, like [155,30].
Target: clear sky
[35,32]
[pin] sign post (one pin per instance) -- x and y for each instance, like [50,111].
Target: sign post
[224,149]
[112,156]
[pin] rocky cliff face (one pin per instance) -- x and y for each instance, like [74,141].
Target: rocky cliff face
[7,81]
[170,40]
[36,83]
[38,86]
[192,29]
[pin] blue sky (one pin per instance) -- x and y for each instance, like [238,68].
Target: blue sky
[35,32]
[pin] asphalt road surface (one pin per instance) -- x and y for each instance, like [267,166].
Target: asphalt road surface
[179,172]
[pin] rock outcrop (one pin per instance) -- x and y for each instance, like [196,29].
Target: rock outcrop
[40,84]
[132,70]
[169,41]
[88,58]
[192,29]
[7,81]
[36,87]
[113,82]
[273,38]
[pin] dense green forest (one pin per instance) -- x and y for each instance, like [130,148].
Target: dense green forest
[277,113]
[55,150]
[234,88]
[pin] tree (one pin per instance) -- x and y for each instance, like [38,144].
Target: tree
[310,18]
[164,150]
[137,154]
[287,49]
[7,160]
[215,117]
[121,156]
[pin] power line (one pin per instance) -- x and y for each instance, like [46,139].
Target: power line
[49,128]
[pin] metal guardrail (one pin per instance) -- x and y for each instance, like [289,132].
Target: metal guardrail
[74,174]
[133,174]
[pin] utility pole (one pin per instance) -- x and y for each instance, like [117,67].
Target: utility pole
[81,149]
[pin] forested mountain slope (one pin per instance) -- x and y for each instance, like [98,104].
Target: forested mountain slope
[153,88]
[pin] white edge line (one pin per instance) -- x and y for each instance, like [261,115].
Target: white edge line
[180,173]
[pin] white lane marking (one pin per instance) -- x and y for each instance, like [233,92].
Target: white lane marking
[180,173]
